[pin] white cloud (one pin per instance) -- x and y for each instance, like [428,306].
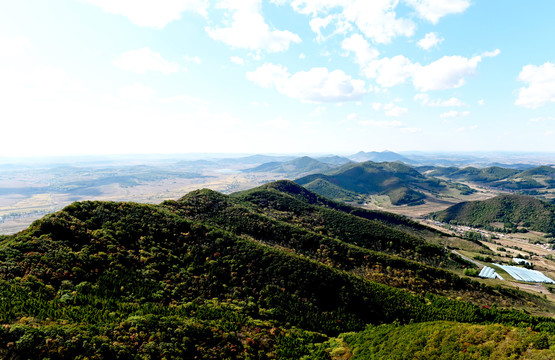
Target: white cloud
[429,41]
[268,75]
[424,99]
[446,73]
[194,59]
[256,103]
[454,114]
[352,116]
[383,123]
[541,85]
[465,129]
[543,118]
[376,19]
[390,109]
[493,53]
[147,13]
[364,53]
[248,29]
[316,85]
[137,92]
[433,10]
[319,110]
[389,72]
[144,60]
[318,24]
[481,102]
[237,60]
[411,130]
[302,56]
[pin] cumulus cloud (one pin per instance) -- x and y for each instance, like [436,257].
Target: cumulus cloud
[248,30]
[454,114]
[424,99]
[447,72]
[429,41]
[147,13]
[356,44]
[542,118]
[411,130]
[390,109]
[376,19]
[465,128]
[383,123]
[144,60]
[237,60]
[194,59]
[316,85]
[389,72]
[541,85]
[433,10]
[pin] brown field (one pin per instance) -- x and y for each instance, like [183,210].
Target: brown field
[433,202]
[20,211]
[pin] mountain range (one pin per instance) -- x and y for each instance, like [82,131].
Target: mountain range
[275,272]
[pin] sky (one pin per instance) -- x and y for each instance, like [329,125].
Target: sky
[85,77]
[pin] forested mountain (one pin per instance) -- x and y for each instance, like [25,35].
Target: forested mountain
[511,211]
[541,177]
[295,167]
[333,159]
[379,156]
[276,272]
[400,182]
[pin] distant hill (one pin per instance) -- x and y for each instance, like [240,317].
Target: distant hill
[255,159]
[379,156]
[541,177]
[333,160]
[295,167]
[396,180]
[511,210]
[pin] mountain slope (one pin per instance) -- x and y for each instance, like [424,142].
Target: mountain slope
[378,156]
[541,177]
[333,160]
[444,340]
[512,210]
[295,167]
[393,179]
[263,274]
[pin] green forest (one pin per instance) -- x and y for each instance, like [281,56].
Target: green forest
[513,211]
[276,272]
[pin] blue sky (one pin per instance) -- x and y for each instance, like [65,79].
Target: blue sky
[301,76]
